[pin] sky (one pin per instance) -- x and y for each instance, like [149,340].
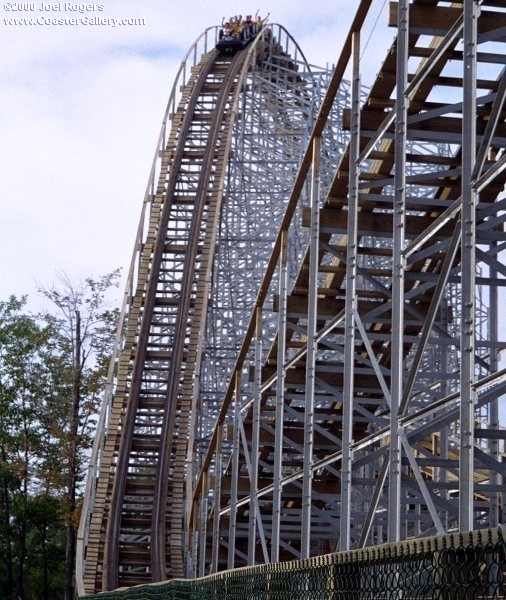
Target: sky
[81,109]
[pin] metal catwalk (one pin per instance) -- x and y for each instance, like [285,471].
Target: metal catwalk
[309,353]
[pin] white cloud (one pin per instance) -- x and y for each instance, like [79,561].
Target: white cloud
[82,107]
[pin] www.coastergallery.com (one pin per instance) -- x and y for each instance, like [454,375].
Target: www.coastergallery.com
[95,20]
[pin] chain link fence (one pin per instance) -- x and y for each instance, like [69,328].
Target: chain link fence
[456,566]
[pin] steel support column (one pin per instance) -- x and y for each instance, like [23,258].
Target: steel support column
[350,303]
[311,345]
[216,503]
[398,262]
[280,400]
[468,323]
[494,517]
[232,524]
[255,437]
[202,530]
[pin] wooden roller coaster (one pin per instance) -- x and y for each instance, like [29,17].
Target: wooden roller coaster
[140,463]
[362,400]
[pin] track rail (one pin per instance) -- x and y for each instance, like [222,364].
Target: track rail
[197,210]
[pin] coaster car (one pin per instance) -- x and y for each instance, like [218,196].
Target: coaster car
[230,44]
[237,33]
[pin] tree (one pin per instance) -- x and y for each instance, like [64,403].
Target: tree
[22,346]
[82,334]
[53,368]
[45,574]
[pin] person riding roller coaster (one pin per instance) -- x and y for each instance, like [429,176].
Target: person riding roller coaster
[237,32]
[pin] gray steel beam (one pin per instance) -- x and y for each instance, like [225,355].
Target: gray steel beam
[468,309]
[311,345]
[493,121]
[280,400]
[252,499]
[493,416]
[350,302]
[216,503]
[202,530]
[398,265]
[255,437]
[232,524]
[430,319]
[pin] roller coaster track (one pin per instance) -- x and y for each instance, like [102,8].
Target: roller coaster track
[359,401]
[147,426]
[184,260]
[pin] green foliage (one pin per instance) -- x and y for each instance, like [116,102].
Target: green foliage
[53,368]
[45,576]
[22,369]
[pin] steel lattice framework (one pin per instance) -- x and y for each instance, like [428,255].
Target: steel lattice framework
[309,357]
